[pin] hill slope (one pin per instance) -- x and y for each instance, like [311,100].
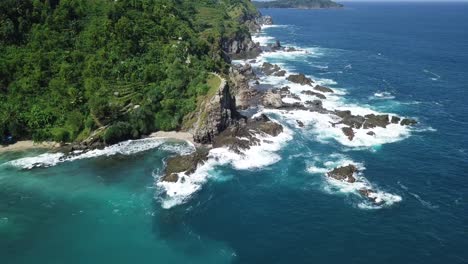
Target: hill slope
[124,68]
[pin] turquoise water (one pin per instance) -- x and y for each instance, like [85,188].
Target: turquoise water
[408,59]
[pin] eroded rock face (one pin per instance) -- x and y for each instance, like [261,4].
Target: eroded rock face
[239,78]
[300,79]
[215,115]
[269,68]
[265,20]
[348,132]
[319,95]
[323,89]
[408,122]
[243,134]
[345,173]
[272,100]
[395,120]
[241,46]
[376,121]
[185,163]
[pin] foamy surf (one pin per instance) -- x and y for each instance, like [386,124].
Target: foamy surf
[123,148]
[256,157]
[334,186]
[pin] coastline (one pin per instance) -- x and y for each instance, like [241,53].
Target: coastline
[29,144]
[25,145]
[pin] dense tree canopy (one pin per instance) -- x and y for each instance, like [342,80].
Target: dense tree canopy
[69,67]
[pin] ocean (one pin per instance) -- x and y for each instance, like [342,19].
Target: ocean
[276,205]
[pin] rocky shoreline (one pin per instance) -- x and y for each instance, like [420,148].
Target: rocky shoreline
[222,126]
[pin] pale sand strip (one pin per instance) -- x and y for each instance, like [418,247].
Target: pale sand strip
[174,135]
[28,144]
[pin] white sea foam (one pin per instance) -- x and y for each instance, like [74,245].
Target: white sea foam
[258,156]
[383,96]
[334,186]
[123,148]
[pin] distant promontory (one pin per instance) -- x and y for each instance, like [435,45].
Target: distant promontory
[300,4]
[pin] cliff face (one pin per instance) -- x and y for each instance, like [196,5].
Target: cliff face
[214,114]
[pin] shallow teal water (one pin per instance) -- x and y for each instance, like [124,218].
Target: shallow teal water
[107,209]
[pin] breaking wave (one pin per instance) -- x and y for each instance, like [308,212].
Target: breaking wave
[123,148]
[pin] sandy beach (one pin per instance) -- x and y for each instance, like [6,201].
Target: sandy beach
[186,136]
[28,144]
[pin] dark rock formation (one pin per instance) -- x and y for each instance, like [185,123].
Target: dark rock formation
[300,78]
[371,133]
[370,195]
[323,89]
[408,122]
[275,46]
[319,95]
[239,78]
[272,100]
[184,163]
[269,68]
[214,115]
[299,123]
[350,120]
[395,120]
[280,73]
[345,173]
[348,132]
[265,20]
[241,46]
[375,121]
[242,135]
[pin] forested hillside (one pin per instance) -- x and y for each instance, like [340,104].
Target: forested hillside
[124,68]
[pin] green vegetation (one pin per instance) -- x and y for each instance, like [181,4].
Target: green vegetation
[303,4]
[130,67]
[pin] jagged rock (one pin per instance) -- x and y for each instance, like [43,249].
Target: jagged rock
[239,77]
[319,95]
[375,121]
[272,100]
[241,46]
[300,123]
[345,173]
[348,132]
[242,135]
[299,78]
[265,20]
[371,133]
[280,73]
[275,46]
[290,49]
[269,68]
[408,122]
[294,96]
[395,120]
[283,91]
[371,195]
[350,120]
[214,115]
[315,106]
[323,89]
[184,163]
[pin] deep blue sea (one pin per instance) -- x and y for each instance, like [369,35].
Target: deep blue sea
[401,58]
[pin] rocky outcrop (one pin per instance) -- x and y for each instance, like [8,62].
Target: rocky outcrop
[213,115]
[300,79]
[345,173]
[349,132]
[243,134]
[272,100]
[265,20]
[269,68]
[184,163]
[239,78]
[408,122]
[323,89]
[319,95]
[240,46]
